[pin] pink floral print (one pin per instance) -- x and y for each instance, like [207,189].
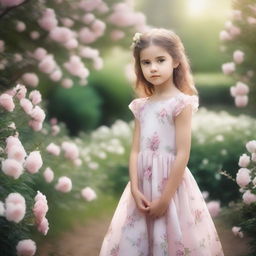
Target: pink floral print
[162,115]
[148,172]
[153,142]
[115,251]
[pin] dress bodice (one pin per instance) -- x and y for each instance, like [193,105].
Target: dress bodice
[157,129]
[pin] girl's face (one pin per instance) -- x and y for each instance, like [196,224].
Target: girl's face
[157,65]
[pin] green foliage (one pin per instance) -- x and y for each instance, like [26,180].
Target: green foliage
[78,107]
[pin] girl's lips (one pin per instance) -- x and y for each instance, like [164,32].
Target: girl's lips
[154,76]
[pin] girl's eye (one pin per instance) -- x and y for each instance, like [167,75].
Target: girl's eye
[162,60]
[145,62]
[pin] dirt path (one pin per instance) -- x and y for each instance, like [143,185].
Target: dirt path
[86,240]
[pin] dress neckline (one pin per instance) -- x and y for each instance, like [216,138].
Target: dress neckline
[161,100]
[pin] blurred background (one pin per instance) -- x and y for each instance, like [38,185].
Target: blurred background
[85,135]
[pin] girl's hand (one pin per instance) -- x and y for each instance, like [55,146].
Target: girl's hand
[158,208]
[141,201]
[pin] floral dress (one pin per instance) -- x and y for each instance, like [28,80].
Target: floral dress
[187,228]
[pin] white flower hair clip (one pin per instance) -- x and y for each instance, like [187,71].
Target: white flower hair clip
[136,39]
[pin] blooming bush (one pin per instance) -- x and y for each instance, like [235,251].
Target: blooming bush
[246,180]
[237,41]
[59,40]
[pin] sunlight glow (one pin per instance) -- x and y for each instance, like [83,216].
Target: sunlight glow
[197,7]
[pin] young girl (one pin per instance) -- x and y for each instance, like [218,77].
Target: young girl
[161,211]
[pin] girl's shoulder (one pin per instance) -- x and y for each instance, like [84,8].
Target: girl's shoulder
[136,106]
[182,100]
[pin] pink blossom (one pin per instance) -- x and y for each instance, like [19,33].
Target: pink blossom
[10,3]
[2,46]
[34,35]
[20,26]
[243,177]
[88,194]
[15,207]
[61,34]
[71,44]
[48,175]
[33,162]
[116,35]
[254,157]
[21,91]
[241,88]
[48,21]
[39,196]
[35,125]
[88,18]
[35,97]
[67,22]
[55,129]
[64,184]
[11,92]
[38,114]
[30,79]
[67,83]
[77,162]
[71,150]
[214,208]
[17,57]
[236,14]
[53,121]
[47,64]
[56,75]
[26,105]
[103,8]
[251,146]
[26,247]
[76,67]
[249,197]
[17,152]
[10,141]
[244,160]
[241,100]
[40,209]
[6,101]
[238,56]
[12,168]
[87,36]
[234,31]
[43,226]
[251,20]
[236,231]
[228,68]
[88,52]
[89,5]
[53,149]
[2,209]
[98,63]
[39,53]
[98,27]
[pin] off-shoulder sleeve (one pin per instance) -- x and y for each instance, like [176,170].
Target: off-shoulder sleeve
[185,100]
[135,106]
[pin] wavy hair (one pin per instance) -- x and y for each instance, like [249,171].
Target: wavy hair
[170,41]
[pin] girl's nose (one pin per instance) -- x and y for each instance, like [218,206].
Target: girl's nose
[153,68]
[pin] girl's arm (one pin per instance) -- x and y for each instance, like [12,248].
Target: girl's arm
[134,156]
[183,143]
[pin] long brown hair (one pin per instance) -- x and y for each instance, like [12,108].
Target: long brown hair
[171,42]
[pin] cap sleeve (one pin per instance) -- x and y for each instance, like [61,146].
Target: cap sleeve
[185,100]
[136,106]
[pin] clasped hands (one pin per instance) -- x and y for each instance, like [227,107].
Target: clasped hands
[154,209]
